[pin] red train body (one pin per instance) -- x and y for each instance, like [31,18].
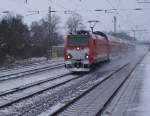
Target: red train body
[84,49]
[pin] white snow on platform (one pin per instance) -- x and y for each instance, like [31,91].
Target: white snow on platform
[144,105]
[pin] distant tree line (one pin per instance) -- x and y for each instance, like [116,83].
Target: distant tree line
[20,41]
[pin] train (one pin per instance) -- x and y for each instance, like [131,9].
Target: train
[85,49]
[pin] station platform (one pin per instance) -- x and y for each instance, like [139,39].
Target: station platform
[134,97]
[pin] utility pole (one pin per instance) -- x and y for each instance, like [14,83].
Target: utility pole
[115,24]
[49,50]
[50,34]
[26,1]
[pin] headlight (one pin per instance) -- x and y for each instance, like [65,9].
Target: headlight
[86,56]
[69,56]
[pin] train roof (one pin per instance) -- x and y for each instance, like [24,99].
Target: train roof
[99,33]
[116,39]
[110,37]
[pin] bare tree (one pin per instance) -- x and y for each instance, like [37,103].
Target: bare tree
[74,23]
[40,33]
[17,41]
[54,23]
[14,34]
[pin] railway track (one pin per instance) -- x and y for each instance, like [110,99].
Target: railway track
[62,106]
[33,70]
[26,65]
[79,105]
[101,111]
[10,97]
[59,103]
[21,65]
[23,92]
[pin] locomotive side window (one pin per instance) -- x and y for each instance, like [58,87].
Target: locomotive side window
[78,41]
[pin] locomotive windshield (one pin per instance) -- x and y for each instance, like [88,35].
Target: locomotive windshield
[78,41]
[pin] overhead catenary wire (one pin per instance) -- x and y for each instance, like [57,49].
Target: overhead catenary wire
[63,9]
[143,1]
[118,14]
[122,18]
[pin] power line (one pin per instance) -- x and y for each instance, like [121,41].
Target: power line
[59,5]
[119,13]
[145,1]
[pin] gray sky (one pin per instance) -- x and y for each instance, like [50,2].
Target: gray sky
[126,19]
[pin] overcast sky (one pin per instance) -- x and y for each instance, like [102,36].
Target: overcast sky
[127,19]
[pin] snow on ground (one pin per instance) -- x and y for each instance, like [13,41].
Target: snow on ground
[29,61]
[139,104]
[144,105]
[14,83]
[134,98]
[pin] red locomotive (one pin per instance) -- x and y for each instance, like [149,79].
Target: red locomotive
[84,49]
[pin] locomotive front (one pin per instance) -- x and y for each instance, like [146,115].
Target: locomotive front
[77,52]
